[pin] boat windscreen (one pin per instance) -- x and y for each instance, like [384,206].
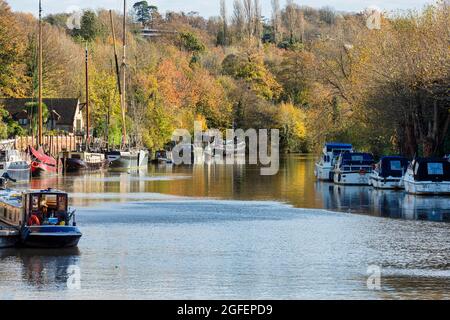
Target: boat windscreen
[393,167]
[432,171]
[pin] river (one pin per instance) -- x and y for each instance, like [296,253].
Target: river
[225,232]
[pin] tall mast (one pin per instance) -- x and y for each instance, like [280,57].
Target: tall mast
[87,101]
[115,54]
[124,61]
[40,129]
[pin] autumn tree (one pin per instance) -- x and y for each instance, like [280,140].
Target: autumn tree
[13,80]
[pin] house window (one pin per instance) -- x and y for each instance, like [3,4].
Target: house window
[23,122]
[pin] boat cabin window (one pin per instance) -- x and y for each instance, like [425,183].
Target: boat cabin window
[396,165]
[48,207]
[357,158]
[436,169]
[76,156]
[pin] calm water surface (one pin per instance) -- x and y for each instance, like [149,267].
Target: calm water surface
[225,232]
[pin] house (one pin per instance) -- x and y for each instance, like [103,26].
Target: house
[63,114]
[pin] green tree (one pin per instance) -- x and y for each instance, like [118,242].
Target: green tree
[90,26]
[144,12]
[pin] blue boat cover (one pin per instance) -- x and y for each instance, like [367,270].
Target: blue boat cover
[365,159]
[431,169]
[393,166]
[337,145]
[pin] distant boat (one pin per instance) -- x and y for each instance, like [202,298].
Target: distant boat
[82,161]
[353,168]
[133,159]
[388,173]
[330,153]
[13,163]
[163,157]
[428,176]
[42,164]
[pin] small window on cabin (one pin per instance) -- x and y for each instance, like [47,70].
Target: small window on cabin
[435,169]
[358,158]
[396,165]
[76,156]
[62,203]
[35,203]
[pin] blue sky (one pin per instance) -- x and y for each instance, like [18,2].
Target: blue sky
[211,7]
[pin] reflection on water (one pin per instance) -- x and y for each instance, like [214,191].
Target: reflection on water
[37,269]
[294,184]
[225,232]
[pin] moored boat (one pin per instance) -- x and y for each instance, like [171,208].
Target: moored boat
[330,153]
[127,159]
[81,161]
[428,176]
[353,168]
[42,164]
[13,163]
[388,173]
[42,216]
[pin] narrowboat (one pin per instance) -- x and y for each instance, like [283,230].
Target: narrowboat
[428,176]
[41,216]
[127,159]
[353,168]
[82,161]
[13,163]
[389,172]
[42,164]
[330,153]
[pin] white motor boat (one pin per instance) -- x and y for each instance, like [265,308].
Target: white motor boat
[428,176]
[14,163]
[353,168]
[388,173]
[330,153]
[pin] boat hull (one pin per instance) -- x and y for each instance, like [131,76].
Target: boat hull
[77,165]
[351,178]
[42,170]
[8,238]
[127,160]
[323,173]
[389,183]
[50,237]
[20,171]
[427,187]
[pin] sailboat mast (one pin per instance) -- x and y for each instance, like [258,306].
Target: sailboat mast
[40,129]
[124,126]
[87,101]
